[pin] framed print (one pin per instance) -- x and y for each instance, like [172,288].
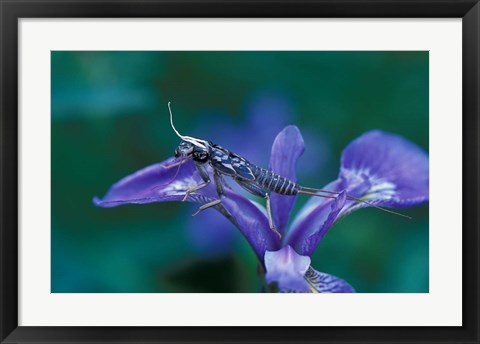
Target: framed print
[239,172]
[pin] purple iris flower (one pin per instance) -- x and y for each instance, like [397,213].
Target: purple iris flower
[210,233]
[379,168]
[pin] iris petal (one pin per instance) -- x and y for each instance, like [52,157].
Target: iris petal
[396,169]
[313,224]
[325,283]
[287,148]
[156,183]
[252,222]
[287,269]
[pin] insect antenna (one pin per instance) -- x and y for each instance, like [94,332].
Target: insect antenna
[315,192]
[192,140]
[171,123]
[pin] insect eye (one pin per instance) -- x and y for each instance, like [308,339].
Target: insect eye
[177,152]
[201,156]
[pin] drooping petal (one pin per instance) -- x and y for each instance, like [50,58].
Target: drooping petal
[156,183]
[313,223]
[287,269]
[325,283]
[252,222]
[396,169]
[287,148]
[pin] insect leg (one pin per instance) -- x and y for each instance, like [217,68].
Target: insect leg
[174,164]
[219,184]
[202,171]
[207,205]
[258,191]
[270,219]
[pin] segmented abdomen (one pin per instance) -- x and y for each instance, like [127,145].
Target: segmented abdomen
[273,182]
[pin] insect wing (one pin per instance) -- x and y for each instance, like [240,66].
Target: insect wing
[242,167]
[222,162]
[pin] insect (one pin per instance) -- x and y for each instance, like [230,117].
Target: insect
[257,180]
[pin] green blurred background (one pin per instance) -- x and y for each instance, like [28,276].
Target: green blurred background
[109,119]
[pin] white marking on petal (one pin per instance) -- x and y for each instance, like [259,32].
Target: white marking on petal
[380,190]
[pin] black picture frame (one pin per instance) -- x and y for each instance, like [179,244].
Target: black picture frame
[11,11]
